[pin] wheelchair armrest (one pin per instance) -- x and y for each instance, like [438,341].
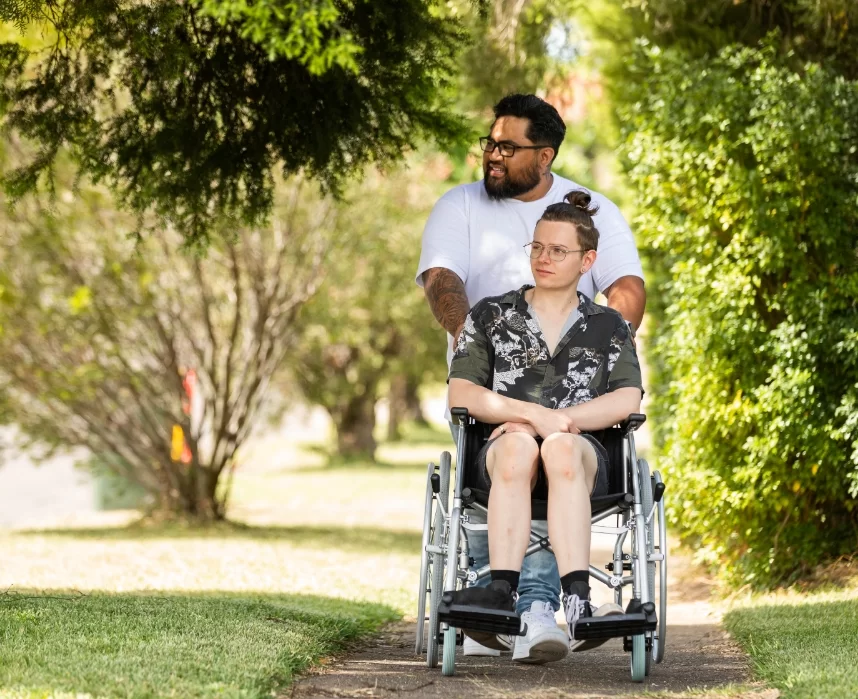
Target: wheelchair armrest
[460,416]
[632,422]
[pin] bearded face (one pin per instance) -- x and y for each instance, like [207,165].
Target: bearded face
[519,171]
[504,182]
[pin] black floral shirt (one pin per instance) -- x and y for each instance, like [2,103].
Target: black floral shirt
[502,348]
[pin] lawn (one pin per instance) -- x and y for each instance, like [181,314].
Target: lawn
[170,645]
[806,646]
[324,556]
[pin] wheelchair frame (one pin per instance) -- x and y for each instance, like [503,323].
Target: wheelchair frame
[445,560]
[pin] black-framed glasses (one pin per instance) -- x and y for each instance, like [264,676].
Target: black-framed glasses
[507,150]
[555,252]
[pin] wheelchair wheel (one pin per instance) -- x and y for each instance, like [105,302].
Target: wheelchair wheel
[649,533]
[448,665]
[639,654]
[437,565]
[658,644]
[425,556]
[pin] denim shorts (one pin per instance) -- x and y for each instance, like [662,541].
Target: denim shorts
[540,490]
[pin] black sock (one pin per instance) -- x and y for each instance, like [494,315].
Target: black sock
[511,576]
[576,583]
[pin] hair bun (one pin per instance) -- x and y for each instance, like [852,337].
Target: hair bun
[580,199]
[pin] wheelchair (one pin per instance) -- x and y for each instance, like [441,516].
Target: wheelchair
[635,499]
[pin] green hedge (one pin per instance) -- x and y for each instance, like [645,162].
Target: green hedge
[747,180]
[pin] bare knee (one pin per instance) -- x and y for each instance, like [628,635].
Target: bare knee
[563,457]
[512,458]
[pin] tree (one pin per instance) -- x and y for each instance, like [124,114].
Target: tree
[516,46]
[740,139]
[98,334]
[369,322]
[819,31]
[187,109]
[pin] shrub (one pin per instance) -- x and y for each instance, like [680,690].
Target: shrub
[747,179]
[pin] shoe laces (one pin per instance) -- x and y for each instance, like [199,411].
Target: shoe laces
[574,607]
[542,613]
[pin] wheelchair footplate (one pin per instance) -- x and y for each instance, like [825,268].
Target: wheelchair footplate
[466,616]
[635,621]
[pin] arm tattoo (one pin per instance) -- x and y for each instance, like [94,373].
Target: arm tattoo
[447,298]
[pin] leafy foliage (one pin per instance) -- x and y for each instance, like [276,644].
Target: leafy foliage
[747,179]
[188,108]
[516,47]
[821,31]
[369,320]
[97,333]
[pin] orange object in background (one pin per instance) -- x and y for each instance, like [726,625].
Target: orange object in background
[179,449]
[177,444]
[189,382]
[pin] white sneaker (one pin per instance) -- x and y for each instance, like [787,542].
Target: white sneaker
[544,641]
[473,648]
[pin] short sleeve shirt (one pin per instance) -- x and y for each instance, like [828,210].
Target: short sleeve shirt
[481,239]
[502,348]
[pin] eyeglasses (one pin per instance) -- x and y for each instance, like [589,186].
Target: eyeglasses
[555,252]
[507,150]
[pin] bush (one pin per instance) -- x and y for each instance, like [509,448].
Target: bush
[747,176]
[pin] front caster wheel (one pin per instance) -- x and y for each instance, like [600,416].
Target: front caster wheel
[448,665]
[638,658]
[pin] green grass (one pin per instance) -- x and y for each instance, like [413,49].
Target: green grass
[166,645]
[807,648]
[230,610]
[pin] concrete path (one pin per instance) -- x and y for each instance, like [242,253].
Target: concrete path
[699,657]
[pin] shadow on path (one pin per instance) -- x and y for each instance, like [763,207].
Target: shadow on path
[345,538]
[698,657]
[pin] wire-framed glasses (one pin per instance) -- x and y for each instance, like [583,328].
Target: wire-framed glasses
[555,252]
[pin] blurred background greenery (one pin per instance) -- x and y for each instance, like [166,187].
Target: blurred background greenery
[239,190]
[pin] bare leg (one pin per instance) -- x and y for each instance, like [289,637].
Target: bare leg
[511,462]
[570,466]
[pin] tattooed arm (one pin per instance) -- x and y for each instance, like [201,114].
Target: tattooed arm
[447,299]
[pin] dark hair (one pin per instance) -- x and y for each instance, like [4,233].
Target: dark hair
[545,126]
[577,210]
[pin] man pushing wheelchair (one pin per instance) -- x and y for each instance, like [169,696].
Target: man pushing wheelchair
[472,249]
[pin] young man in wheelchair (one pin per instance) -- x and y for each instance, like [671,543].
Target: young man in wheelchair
[551,368]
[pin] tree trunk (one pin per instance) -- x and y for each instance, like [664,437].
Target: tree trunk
[405,405]
[355,425]
[194,501]
[397,405]
[413,409]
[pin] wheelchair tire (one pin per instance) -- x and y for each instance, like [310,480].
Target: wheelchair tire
[646,503]
[423,587]
[437,566]
[448,665]
[639,654]
[660,639]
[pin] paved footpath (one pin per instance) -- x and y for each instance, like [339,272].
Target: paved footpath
[699,656]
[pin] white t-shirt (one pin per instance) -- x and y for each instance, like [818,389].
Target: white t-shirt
[482,240]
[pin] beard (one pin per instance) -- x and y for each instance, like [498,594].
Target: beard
[508,187]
